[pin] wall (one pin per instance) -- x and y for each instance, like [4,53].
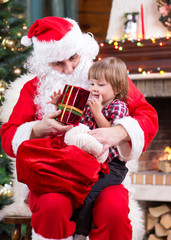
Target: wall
[153,27]
[94,17]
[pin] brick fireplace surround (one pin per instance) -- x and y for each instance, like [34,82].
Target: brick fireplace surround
[149,183]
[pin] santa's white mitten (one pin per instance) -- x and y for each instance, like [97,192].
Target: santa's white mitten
[81,128]
[79,137]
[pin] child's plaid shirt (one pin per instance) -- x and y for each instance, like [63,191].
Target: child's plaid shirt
[115,110]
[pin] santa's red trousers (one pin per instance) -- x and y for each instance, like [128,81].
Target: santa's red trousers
[52,213]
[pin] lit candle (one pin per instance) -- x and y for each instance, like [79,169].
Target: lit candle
[142,21]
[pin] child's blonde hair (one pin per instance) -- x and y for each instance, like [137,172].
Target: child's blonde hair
[114,71]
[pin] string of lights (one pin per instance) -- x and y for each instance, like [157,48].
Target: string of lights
[139,51]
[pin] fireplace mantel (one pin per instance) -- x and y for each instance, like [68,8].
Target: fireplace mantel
[152,186]
[153,84]
[157,193]
[150,55]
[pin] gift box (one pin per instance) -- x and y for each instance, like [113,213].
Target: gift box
[72,103]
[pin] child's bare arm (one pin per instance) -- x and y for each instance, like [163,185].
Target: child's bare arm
[55,97]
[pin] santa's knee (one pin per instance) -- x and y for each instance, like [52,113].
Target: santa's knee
[55,204]
[111,206]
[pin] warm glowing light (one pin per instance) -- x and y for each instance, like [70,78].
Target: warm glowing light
[101,44]
[10,43]
[110,42]
[99,58]
[116,47]
[153,40]
[139,69]
[19,34]
[167,36]
[167,155]
[161,72]
[2,89]
[17,71]
[160,44]
[116,43]
[24,27]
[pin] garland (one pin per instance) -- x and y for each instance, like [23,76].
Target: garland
[164,7]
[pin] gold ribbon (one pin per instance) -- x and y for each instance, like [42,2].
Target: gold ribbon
[71,107]
[66,103]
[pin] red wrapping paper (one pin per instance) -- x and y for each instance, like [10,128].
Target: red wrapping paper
[72,103]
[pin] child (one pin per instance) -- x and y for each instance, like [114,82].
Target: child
[109,91]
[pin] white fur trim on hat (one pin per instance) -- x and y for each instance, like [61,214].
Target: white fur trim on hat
[133,151]
[73,42]
[26,41]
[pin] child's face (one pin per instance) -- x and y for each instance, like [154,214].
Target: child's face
[103,88]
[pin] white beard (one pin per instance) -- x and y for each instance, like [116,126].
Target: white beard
[53,81]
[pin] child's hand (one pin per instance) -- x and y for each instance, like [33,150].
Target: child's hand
[55,97]
[95,105]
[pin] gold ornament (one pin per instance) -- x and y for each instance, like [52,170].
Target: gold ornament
[21,16]
[17,71]
[6,191]
[4,41]
[3,86]
[9,193]
[3,1]
[19,34]
[25,27]
[10,43]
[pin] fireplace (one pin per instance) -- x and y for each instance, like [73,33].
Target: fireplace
[150,183]
[155,151]
[148,64]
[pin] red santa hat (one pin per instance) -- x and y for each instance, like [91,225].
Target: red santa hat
[56,39]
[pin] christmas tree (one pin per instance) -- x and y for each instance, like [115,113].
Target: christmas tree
[12,57]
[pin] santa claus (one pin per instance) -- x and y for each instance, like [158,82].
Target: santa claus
[61,55]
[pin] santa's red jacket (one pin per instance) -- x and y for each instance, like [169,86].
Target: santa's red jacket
[142,125]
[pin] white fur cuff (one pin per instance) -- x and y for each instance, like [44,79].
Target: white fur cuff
[136,134]
[36,236]
[23,133]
